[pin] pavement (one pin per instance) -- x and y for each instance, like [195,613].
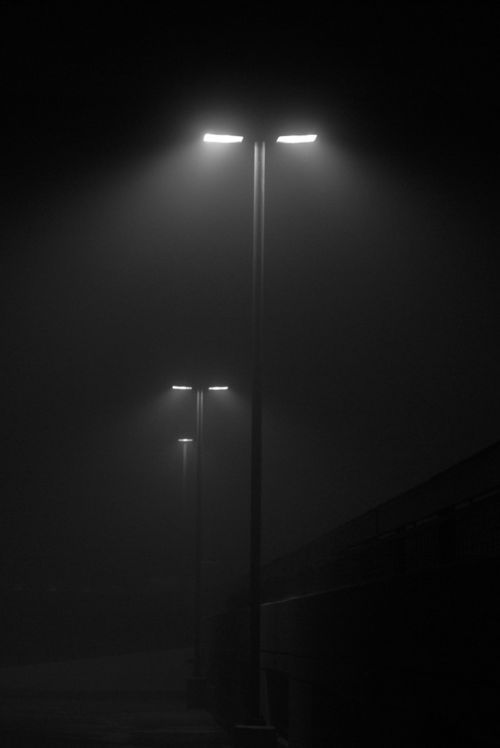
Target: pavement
[134,720]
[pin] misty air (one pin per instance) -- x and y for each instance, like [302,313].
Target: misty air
[250,403]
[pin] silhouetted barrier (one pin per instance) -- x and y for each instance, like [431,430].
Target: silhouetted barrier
[383,631]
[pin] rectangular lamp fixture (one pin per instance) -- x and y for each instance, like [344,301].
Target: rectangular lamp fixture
[211,137]
[296,138]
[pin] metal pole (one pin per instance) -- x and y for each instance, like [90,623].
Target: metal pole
[184,471]
[256,429]
[198,533]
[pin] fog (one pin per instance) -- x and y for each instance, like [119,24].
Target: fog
[127,268]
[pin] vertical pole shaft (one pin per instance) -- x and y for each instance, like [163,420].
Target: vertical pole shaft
[198,533]
[184,472]
[256,429]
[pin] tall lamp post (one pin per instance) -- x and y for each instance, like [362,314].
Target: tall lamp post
[196,684]
[259,179]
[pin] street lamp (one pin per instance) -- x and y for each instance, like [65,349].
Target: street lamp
[196,685]
[259,174]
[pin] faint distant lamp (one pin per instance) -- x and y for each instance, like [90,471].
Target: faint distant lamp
[196,684]
[185,442]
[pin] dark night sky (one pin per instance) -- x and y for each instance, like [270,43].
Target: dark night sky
[126,266]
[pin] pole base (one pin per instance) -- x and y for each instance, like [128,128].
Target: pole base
[255,736]
[196,692]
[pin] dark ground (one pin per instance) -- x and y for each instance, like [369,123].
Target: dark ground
[81,721]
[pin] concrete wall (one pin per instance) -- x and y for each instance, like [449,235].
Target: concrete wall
[381,632]
[403,658]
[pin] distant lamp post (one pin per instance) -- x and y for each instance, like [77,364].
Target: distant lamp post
[184,442]
[259,174]
[196,684]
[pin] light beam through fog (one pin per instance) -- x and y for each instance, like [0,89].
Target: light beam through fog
[367,273]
